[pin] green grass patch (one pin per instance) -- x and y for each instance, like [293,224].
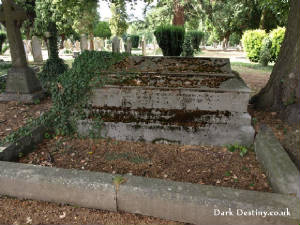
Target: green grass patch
[254,66]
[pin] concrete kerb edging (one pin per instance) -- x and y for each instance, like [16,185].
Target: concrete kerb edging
[185,202]
[281,171]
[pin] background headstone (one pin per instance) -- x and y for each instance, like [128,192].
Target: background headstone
[65,44]
[116,44]
[36,49]
[102,44]
[143,47]
[128,45]
[77,46]
[27,48]
[97,44]
[70,44]
[122,49]
[84,42]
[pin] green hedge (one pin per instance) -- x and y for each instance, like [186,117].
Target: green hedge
[135,40]
[252,42]
[196,38]
[170,39]
[276,36]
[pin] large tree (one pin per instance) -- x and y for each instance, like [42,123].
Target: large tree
[282,92]
[117,22]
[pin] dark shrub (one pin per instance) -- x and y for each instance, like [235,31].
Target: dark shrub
[2,40]
[54,66]
[188,50]
[135,40]
[196,38]
[265,52]
[170,39]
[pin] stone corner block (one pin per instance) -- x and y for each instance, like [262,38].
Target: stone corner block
[281,171]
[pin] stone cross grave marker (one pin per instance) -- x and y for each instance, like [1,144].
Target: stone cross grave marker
[22,84]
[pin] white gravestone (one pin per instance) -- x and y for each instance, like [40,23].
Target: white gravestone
[83,43]
[36,49]
[116,44]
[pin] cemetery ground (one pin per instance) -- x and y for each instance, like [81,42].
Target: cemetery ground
[123,157]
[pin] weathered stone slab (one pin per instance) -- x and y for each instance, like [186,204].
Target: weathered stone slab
[196,204]
[174,116]
[210,134]
[173,64]
[281,171]
[171,98]
[80,188]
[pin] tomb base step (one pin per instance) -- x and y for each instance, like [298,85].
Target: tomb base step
[22,97]
[210,134]
[170,117]
[164,98]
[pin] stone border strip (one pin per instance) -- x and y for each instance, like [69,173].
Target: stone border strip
[281,171]
[185,202]
[24,145]
[76,187]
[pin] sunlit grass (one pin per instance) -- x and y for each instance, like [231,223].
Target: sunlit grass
[238,66]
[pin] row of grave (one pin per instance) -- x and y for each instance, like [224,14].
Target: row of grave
[35,45]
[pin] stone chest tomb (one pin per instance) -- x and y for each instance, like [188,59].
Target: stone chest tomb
[191,101]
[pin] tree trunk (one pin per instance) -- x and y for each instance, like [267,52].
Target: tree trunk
[282,92]
[226,40]
[178,18]
[268,20]
[47,46]
[63,37]
[92,42]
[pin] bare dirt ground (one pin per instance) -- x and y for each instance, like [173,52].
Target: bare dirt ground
[194,164]
[20,212]
[14,115]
